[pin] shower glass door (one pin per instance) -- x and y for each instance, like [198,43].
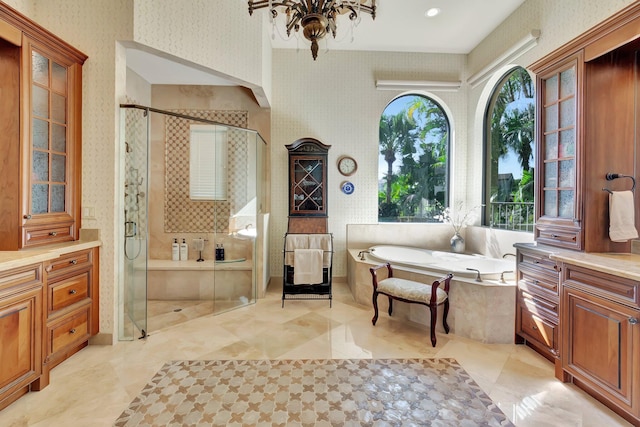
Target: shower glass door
[204,193]
[133,296]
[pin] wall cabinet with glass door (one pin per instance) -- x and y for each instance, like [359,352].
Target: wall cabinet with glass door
[559,214]
[307,186]
[586,124]
[43,77]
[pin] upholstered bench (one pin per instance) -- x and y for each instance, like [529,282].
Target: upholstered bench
[414,293]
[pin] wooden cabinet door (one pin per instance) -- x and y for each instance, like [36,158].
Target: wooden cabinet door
[20,343]
[601,344]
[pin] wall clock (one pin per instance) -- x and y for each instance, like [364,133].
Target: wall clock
[347,165]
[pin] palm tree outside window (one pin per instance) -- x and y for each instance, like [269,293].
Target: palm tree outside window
[509,154]
[413,169]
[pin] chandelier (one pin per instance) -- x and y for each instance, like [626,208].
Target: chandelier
[317,17]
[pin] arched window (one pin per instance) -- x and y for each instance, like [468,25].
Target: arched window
[509,153]
[413,167]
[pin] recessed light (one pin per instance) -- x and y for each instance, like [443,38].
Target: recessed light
[434,11]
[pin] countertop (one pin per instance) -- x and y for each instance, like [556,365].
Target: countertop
[619,264]
[14,259]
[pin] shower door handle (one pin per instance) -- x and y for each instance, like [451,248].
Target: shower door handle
[130,229]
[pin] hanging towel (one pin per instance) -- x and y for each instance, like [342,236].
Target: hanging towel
[293,242]
[322,241]
[621,216]
[307,268]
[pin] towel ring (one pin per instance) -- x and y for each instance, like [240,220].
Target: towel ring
[612,176]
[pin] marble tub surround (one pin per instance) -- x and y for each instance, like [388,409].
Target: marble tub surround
[481,311]
[485,241]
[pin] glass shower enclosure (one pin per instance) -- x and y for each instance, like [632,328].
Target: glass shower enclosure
[191,182]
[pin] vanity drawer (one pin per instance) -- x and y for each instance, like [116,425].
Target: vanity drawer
[70,331]
[616,288]
[544,307]
[69,262]
[540,284]
[68,291]
[46,235]
[538,329]
[537,260]
[570,239]
[16,279]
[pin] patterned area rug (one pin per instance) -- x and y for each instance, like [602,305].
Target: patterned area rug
[384,392]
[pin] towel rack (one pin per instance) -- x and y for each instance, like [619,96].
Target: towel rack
[612,176]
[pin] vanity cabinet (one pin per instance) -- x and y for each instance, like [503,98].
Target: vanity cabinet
[586,121]
[308,186]
[42,76]
[20,331]
[71,307]
[538,302]
[601,337]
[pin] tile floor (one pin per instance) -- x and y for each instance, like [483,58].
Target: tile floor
[94,386]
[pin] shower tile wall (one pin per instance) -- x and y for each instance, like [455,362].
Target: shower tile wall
[181,214]
[194,100]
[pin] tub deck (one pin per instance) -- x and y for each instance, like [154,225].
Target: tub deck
[483,311]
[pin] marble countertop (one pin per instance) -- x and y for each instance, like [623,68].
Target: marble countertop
[619,264]
[14,259]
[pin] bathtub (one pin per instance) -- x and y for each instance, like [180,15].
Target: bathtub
[480,310]
[461,265]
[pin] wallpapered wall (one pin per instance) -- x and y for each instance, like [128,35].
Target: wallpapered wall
[306,99]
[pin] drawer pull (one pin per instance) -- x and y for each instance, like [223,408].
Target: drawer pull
[72,331]
[534,327]
[633,321]
[53,233]
[27,216]
[73,261]
[73,292]
[555,236]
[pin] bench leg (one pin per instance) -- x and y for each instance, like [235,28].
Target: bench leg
[434,316]
[390,305]
[375,308]
[445,313]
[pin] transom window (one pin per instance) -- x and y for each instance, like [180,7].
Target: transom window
[413,167]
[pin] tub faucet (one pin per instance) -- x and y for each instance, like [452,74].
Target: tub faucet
[502,275]
[361,255]
[508,254]
[478,278]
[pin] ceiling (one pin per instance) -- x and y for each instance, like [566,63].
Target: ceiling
[400,26]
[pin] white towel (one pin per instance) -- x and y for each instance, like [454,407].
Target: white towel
[307,268]
[322,241]
[293,242]
[621,216]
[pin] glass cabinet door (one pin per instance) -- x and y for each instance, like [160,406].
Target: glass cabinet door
[559,144]
[49,168]
[307,185]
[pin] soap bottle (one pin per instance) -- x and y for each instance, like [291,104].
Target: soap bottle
[175,250]
[217,252]
[184,250]
[221,252]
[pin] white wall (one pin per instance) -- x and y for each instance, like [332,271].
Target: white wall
[334,99]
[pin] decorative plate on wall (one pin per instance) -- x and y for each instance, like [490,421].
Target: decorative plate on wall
[347,187]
